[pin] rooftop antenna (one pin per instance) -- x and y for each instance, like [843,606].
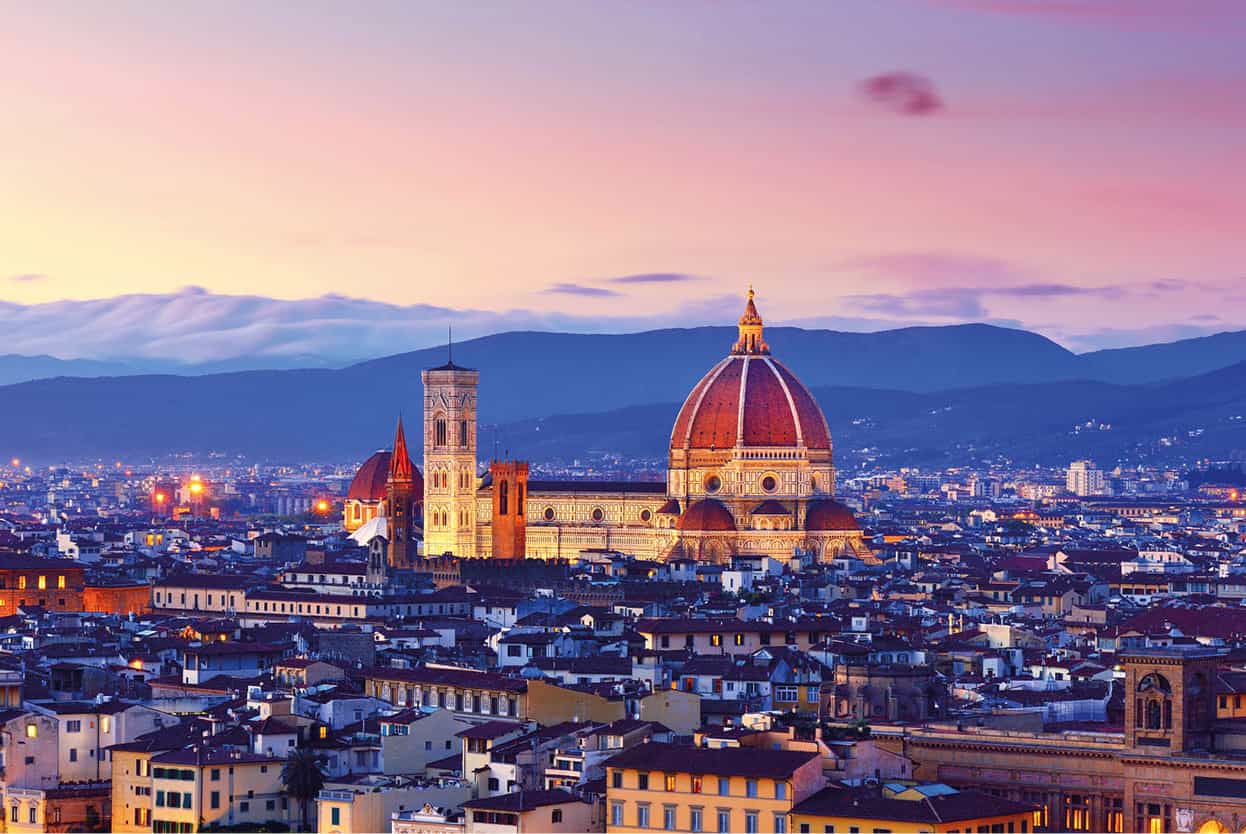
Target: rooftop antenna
[450,342]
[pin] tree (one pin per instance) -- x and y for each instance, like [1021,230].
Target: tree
[303,779]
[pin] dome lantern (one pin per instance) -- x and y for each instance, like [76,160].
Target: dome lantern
[750,342]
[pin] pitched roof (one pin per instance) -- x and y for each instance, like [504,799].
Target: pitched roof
[726,761]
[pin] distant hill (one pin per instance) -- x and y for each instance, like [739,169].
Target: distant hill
[18,368]
[1151,363]
[910,389]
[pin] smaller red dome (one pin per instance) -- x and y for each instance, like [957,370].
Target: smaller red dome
[707,515]
[369,482]
[770,507]
[825,514]
[671,507]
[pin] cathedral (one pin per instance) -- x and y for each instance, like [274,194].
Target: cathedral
[750,471]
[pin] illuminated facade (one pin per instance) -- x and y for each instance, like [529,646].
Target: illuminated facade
[751,471]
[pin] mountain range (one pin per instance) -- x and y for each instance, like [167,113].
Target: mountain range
[922,392]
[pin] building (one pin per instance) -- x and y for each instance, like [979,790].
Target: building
[1172,767]
[750,471]
[470,695]
[54,584]
[197,787]
[673,788]
[200,592]
[367,806]
[1083,478]
[529,811]
[402,506]
[450,460]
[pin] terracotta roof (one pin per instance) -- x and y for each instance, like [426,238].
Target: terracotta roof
[826,514]
[522,801]
[369,480]
[770,507]
[944,808]
[725,761]
[707,515]
[750,399]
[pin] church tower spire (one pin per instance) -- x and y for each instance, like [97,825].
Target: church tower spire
[750,341]
[401,498]
[400,467]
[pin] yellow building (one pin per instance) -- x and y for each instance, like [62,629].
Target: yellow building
[676,788]
[472,696]
[192,788]
[370,805]
[910,809]
[529,811]
[131,787]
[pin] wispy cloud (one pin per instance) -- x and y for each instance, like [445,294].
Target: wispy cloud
[654,278]
[28,278]
[906,93]
[1108,11]
[967,302]
[583,290]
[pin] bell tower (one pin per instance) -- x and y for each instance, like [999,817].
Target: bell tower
[510,522]
[1170,699]
[450,460]
[400,499]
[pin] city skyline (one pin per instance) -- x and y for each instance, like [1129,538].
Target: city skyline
[1064,167]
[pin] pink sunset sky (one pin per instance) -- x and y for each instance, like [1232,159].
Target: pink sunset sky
[1074,167]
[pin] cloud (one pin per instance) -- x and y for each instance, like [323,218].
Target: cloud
[967,302]
[582,290]
[195,326]
[28,278]
[906,93]
[1108,11]
[654,278]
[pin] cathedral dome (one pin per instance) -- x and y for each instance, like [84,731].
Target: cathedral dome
[750,399]
[369,481]
[707,516]
[827,515]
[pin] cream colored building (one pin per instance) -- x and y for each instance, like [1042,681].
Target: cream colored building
[367,807]
[750,471]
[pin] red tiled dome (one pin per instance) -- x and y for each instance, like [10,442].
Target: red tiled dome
[750,400]
[770,507]
[707,515]
[369,481]
[825,514]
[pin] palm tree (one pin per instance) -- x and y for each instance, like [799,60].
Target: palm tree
[303,778]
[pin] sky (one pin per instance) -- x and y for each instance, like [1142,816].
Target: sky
[220,170]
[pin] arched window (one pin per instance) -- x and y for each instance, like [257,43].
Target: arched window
[503,495]
[439,432]
[518,499]
[1153,715]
